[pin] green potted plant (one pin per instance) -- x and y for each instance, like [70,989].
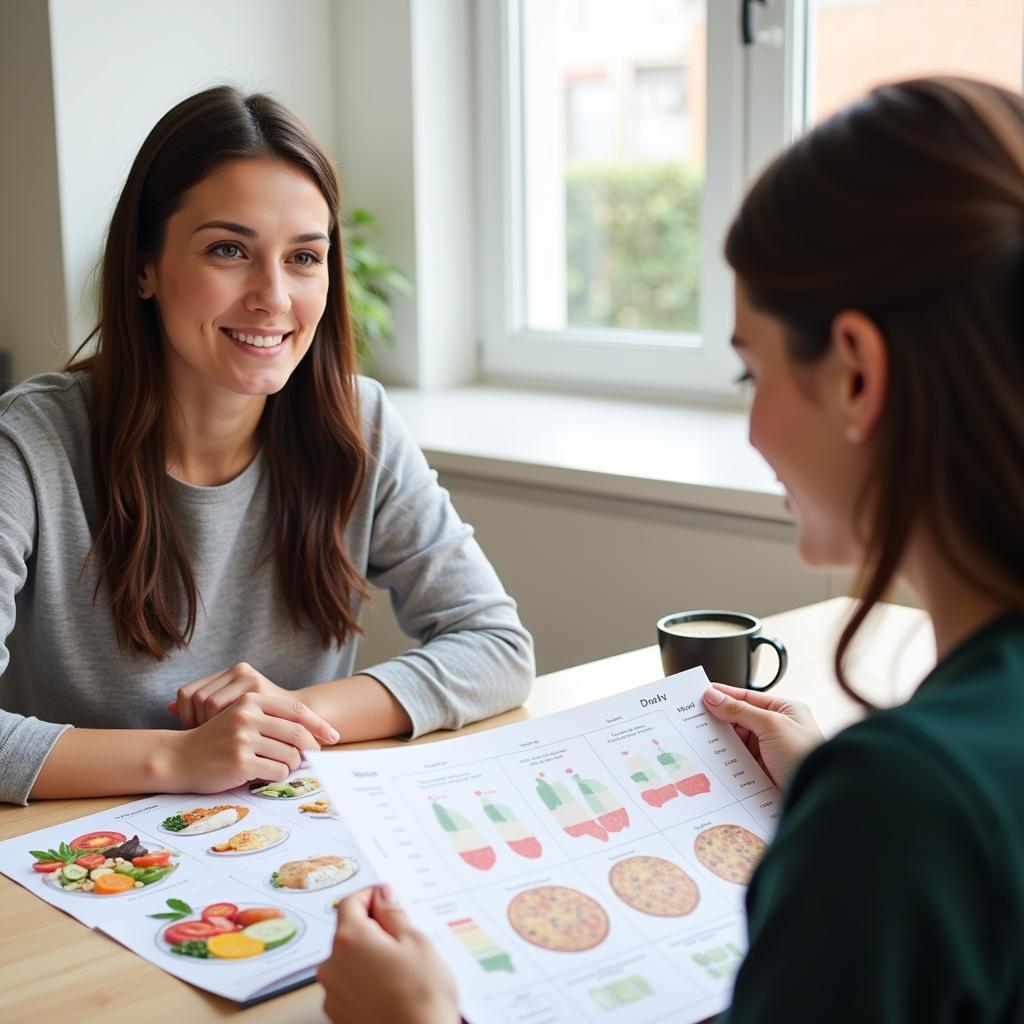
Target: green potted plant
[373,281]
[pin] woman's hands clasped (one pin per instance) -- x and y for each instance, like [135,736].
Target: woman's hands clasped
[204,698]
[778,732]
[382,969]
[240,726]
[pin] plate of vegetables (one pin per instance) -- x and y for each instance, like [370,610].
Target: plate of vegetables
[103,864]
[290,789]
[225,932]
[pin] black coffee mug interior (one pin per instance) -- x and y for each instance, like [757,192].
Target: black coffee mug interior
[726,658]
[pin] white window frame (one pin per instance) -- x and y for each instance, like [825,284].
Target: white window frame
[754,102]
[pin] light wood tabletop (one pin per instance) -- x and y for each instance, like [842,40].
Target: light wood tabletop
[52,968]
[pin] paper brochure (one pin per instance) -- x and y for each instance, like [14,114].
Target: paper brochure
[585,866]
[589,865]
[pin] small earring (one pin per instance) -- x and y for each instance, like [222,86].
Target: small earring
[852,435]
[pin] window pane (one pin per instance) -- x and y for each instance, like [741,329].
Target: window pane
[613,162]
[859,44]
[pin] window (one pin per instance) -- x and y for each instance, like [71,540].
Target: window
[615,140]
[588,118]
[662,125]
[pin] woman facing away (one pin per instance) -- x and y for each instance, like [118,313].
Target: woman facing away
[189,516]
[880,314]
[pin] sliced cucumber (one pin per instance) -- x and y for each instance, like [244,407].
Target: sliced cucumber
[100,872]
[74,873]
[275,932]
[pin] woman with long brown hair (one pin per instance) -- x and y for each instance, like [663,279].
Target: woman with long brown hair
[880,315]
[189,516]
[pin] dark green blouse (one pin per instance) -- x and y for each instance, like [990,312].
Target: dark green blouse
[894,889]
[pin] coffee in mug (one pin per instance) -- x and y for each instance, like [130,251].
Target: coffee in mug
[706,627]
[723,643]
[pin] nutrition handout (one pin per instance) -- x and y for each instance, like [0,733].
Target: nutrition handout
[232,892]
[585,866]
[588,865]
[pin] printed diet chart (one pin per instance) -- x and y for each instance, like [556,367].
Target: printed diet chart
[589,865]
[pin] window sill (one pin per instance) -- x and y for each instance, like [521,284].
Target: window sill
[686,456]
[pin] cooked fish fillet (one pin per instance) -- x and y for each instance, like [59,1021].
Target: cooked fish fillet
[251,839]
[313,873]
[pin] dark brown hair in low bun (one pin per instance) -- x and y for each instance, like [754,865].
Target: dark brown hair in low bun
[909,206]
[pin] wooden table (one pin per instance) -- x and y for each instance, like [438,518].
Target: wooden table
[54,969]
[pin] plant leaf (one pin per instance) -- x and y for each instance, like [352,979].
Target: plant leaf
[46,855]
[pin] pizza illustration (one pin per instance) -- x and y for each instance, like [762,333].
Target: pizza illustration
[558,918]
[729,851]
[654,886]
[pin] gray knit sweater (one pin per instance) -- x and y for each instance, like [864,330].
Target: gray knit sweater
[60,664]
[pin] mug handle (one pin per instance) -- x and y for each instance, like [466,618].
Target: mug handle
[780,650]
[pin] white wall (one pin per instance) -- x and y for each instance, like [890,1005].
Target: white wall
[119,66]
[406,152]
[593,574]
[373,48]
[32,309]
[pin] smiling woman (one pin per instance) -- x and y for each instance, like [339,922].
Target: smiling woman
[254,277]
[186,588]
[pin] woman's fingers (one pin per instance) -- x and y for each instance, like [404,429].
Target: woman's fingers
[210,702]
[278,752]
[189,700]
[389,914]
[281,730]
[778,733]
[790,708]
[291,710]
[736,711]
[204,698]
[273,769]
[354,909]
[757,698]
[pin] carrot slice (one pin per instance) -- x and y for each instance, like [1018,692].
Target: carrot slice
[108,885]
[234,946]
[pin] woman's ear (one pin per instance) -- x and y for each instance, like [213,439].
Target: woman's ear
[862,360]
[147,280]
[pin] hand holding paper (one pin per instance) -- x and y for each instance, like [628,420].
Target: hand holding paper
[382,968]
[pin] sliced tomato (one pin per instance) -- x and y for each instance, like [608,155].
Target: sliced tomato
[97,840]
[221,923]
[151,860]
[186,931]
[223,910]
[90,860]
[44,867]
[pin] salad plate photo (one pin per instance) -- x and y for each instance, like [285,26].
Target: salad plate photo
[253,840]
[312,874]
[200,820]
[290,789]
[103,864]
[225,932]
